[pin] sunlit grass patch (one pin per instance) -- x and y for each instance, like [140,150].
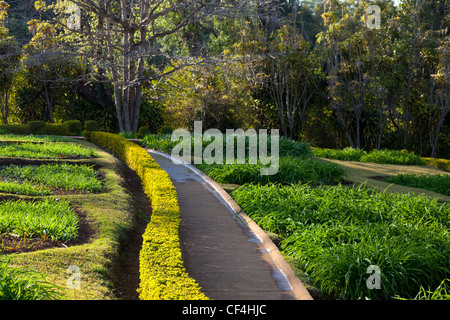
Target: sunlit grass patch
[49,218]
[56,150]
[336,233]
[58,175]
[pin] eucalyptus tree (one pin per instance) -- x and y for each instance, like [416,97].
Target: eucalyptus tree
[120,38]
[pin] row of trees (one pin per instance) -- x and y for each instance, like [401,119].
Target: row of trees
[317,70]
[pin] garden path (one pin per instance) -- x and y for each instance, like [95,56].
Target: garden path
[220,251]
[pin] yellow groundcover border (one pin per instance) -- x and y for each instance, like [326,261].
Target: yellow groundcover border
[162,274]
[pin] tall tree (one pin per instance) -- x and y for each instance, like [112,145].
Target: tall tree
[121,37]
[9,62]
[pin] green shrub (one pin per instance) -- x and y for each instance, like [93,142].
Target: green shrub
[73,127]
[336,233]
[36,126]
[392,157]
[142,132]
[162,275]
[91,125]
[55,129]
[20,129]
[165,130]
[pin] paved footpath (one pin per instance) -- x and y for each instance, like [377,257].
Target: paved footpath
[220,251]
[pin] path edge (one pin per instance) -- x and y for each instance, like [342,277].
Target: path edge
[296,285]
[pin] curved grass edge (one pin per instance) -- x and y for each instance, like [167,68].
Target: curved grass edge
[162,274]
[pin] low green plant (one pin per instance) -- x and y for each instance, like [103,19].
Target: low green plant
[335,233]
[127,134]
[439,183]
[142,132]
[45,150]
[392,157]
[57,175]
[347,154]
[17,284]
[54,218]
[35,138]
[91,125]
[73,127]
[291,170]
[25,188]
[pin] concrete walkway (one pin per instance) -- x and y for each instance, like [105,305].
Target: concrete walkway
[220,250]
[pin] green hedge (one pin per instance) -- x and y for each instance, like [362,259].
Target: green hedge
[162,274]
[70,128]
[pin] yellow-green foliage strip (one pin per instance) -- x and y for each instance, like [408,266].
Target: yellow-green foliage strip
[162,274]
[443,164]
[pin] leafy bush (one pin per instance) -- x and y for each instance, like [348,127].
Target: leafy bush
[20,129]
[439,183]
[142,132]
[36,126]
[336,233]
[73,127]
[165,130]
[91,125]
[52,218]
[392,157]
[17,284]
[162,275]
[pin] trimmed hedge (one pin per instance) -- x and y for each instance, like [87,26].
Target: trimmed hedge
[162,274]
[39,127]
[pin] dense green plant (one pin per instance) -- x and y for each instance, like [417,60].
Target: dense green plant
[336,233]
[392,157]
[58,175]
[36,126]
[25,188]
[73,127]
[348,154]
[91,125]
[36,138]
[45,150]
[291,170]
[142,132]
[49,218]
[439,183]
[17,284]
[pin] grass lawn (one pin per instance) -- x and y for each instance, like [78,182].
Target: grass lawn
[106,220]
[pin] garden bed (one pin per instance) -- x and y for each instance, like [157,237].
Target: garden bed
[106,220]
